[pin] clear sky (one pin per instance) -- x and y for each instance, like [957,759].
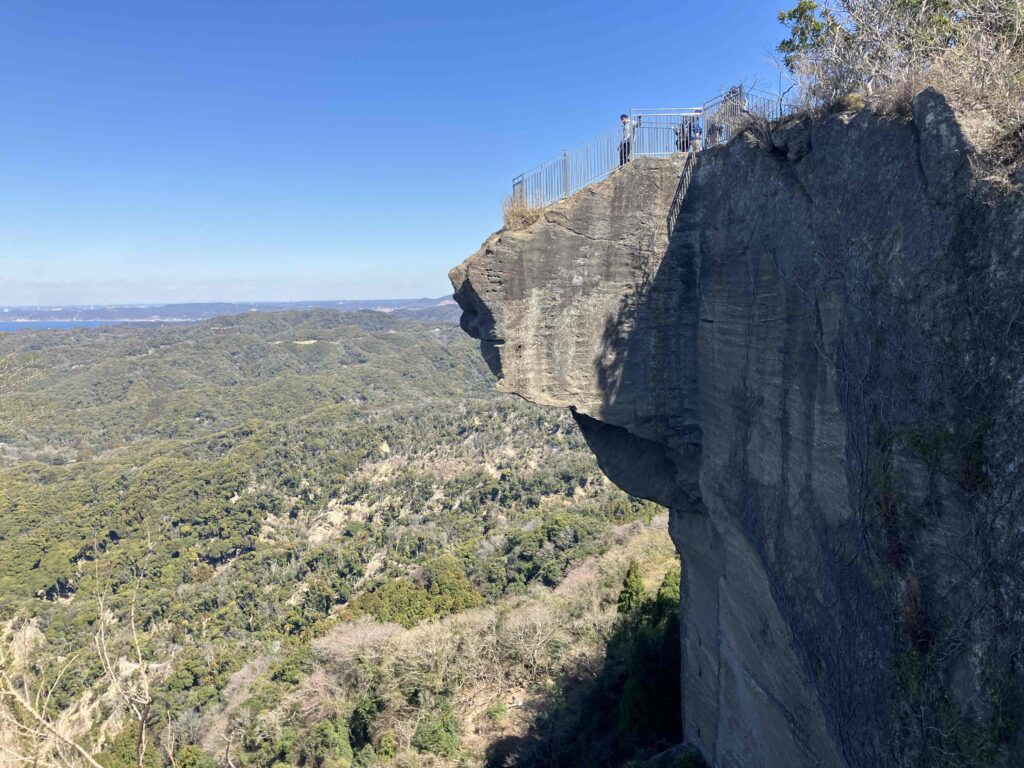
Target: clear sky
[194,150]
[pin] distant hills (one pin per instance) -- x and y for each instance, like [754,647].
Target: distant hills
[249,484]
[443,308]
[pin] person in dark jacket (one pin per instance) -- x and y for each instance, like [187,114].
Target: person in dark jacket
[682,134]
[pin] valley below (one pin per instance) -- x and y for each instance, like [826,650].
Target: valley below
[316,538]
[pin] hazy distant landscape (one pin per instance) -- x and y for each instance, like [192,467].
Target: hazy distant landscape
[21,318]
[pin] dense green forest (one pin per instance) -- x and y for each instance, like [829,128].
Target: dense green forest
[250,541]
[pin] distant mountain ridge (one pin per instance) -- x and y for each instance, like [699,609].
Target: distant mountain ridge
[443,308]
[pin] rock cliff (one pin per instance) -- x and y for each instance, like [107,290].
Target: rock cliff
[806,344]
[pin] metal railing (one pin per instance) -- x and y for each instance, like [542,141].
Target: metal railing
[656,133]
[665,132]
[728,112]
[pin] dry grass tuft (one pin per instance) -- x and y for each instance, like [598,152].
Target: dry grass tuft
[758,129]
[520,213]
[897,99]
[850,102]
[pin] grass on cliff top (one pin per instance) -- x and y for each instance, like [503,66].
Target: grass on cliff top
[519,213]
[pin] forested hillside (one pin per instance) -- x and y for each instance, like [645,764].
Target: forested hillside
[217,541]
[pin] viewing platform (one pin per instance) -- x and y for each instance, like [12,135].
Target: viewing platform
[655,133]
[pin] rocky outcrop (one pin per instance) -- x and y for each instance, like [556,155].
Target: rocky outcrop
[807,344]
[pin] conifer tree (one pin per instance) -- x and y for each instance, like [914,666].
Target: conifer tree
[632,596]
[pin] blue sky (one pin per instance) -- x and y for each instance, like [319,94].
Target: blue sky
[227,150]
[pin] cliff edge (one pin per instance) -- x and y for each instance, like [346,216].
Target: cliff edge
[806,344]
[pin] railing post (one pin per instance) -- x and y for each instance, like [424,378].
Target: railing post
[565,173]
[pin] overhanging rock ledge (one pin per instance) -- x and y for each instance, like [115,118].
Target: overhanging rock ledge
[808,347]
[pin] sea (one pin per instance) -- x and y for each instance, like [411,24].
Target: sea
[42,325]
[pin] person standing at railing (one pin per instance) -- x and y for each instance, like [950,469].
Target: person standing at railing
[682,134]
[688,134]
[628,133]
[696,135]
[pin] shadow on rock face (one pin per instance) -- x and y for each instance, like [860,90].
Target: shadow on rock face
[478,322]
[650,312]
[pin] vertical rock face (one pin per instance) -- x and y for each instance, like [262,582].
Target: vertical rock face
[808,347]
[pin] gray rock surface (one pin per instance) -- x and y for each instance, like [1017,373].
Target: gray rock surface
[808,347]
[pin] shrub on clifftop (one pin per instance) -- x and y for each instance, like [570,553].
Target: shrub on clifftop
[889,50]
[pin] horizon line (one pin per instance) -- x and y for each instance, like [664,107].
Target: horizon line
[149,304]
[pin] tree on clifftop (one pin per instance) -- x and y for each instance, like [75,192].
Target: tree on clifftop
[972,50]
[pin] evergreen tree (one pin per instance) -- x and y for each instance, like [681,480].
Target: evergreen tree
[438,731]
[450,591]
[193,756]
[666,603]
[327,746]
[632,596]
